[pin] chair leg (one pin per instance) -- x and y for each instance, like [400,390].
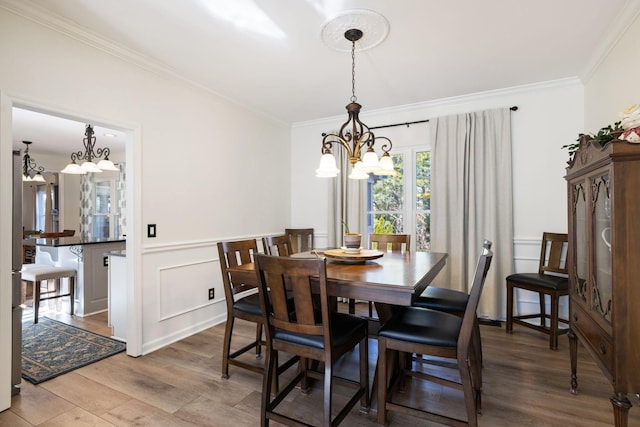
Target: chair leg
[382,381]
[553,327]
[72,292]
[271,369]
[370,309]
[226,347]
[36,301]
[543,310]
[365,401]
[509,325]
[468,390]
[328,392]
[258,340]
[352,306]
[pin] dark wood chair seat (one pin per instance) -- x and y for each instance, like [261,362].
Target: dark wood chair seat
[552,280]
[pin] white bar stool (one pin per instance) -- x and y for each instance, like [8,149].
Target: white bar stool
[35,273]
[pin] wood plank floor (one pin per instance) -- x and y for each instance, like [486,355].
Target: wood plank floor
[525,384]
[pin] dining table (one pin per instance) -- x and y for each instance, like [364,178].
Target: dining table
[393,279]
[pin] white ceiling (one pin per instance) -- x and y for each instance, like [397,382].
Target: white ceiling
[435,49]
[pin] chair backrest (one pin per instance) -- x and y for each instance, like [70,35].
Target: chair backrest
[482,268]
[553,254]
[397,242]
[301,239]
[287,278]
[277,245]
[232,254]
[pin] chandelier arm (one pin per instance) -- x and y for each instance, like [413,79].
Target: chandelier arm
[386,147]
[103,151]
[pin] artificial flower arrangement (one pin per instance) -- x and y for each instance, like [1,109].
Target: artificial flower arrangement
[627,129]
[630,123]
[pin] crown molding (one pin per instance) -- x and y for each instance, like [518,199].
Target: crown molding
[625,18]
[36,13]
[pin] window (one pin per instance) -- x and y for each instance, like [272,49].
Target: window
[104,218]
[401,204]
[41,207]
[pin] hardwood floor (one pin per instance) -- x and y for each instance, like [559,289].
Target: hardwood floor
[525,384]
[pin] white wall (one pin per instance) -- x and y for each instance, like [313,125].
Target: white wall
[614,84]
[196,167]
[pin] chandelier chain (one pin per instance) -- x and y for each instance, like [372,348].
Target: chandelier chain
[354,98]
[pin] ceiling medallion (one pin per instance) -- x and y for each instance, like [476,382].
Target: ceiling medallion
[374,27]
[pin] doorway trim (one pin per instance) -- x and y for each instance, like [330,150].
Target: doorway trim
[133,211]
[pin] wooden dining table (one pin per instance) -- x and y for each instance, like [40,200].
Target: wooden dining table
[395,279]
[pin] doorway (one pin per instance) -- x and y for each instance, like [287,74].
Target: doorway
[125,153]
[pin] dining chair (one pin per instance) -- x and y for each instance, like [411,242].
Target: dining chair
[384,243]
[242,304]
[322,337]
[452,302]
[277,245]
[438,334]
[302,239]
[551,279]
[232,254]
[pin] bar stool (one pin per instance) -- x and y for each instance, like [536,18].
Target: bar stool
[35,273]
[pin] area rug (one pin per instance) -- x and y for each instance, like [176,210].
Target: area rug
[51,348]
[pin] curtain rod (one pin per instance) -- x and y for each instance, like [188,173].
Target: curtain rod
[514,108]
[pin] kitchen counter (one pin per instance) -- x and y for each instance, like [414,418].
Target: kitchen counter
[73,241]
[87,257]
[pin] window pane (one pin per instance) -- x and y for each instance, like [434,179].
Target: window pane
[101,226]
[388,194]
[103,197]
[423,180]
[387,223]
[423,232]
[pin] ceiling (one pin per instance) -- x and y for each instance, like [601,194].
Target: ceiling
[434,49]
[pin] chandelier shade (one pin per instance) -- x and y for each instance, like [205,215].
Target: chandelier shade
[89,155]
[354,136]
[30,167]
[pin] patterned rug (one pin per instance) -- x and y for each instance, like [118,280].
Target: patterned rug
[51,348]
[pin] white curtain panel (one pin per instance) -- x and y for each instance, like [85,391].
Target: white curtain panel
[472,199]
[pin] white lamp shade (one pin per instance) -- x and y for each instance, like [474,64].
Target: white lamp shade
[370,161]
[38,178]
[90,167]
[73,169]
[385,166]
[107,165]
[327,168]
[26,178]
[357,172]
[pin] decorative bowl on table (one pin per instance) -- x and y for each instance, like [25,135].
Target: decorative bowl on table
[364,255]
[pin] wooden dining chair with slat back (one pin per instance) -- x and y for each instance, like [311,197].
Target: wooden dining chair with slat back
[277,245]
[302,239]
[384,243]
[551,279]
[441,335]
[452,302]
[232,254]
[323,336]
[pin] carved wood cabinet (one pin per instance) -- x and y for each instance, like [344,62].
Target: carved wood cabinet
[604,265]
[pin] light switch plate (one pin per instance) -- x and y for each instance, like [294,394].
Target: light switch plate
[151,230]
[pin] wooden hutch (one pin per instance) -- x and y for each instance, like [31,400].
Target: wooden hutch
[604,264]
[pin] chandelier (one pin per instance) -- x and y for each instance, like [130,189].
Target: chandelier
[90,153]
[29,165]
[354,136]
